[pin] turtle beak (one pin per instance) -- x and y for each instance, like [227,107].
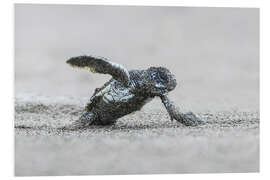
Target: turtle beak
[172,84]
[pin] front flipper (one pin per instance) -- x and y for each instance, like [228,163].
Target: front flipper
[188,119]
[101,65]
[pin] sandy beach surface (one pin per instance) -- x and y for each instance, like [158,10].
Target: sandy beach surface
[145,142]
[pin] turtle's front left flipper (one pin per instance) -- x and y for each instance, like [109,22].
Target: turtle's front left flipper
[101,65]
[188,119]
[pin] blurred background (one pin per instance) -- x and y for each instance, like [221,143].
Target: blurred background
[214,52]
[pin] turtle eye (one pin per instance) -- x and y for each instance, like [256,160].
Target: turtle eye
[159,81]
[163,77]
[155,76]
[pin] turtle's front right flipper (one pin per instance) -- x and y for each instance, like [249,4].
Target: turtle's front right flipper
[101,65]
[188,119]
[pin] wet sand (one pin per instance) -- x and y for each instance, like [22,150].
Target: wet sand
[145,142]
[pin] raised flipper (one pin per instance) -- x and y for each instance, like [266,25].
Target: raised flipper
[101,65]
[86,120]
[188,119]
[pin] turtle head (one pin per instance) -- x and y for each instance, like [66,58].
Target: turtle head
[161,80]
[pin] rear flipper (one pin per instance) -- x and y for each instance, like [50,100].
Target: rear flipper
[86,120]
[188,119]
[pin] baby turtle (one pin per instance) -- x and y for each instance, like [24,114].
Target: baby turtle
[126,92]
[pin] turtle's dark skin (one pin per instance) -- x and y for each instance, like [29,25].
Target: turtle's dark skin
[126,92]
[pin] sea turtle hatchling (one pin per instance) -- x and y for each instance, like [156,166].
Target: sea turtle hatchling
[126,92]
